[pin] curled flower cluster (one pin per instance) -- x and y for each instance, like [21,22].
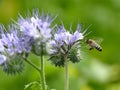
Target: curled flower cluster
[12,46]
[39,29]
[28,35]
[36,27]
[65,43]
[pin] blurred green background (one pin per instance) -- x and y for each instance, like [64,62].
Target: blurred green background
[97,70]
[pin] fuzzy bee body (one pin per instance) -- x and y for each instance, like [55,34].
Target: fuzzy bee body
[93,45]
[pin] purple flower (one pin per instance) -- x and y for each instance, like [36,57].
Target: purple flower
[75,37]
[28,28]
[65,43]
[36,26]
[12,43]
[65,40]
[66,37]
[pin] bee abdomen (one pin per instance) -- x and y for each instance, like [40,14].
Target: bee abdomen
[98,48]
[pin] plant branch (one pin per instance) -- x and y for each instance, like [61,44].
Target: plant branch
[32,64]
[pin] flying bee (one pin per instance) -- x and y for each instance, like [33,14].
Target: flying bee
[93,44]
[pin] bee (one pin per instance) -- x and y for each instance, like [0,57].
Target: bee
[93,44]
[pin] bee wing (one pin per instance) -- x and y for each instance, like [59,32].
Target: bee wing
[98,40]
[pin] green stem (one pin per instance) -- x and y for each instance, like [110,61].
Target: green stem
[33,65]
[66,73]
[41,71]
[42,74]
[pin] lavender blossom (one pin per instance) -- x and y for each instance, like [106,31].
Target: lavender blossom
[12,47]
[64,43]
[39,29]
[36,26]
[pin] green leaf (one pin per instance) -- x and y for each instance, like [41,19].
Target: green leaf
[33,86]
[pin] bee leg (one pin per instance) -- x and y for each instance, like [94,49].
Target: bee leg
[91,48]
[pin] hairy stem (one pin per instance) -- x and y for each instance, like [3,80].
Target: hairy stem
[42,74]
[66,73]
[40,70]
[32,64]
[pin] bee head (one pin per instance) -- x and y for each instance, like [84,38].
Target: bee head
[88,41]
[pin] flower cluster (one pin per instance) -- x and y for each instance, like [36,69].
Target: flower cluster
[65,43]
[31,34]
[38,28]
[12,47]
[28,35]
